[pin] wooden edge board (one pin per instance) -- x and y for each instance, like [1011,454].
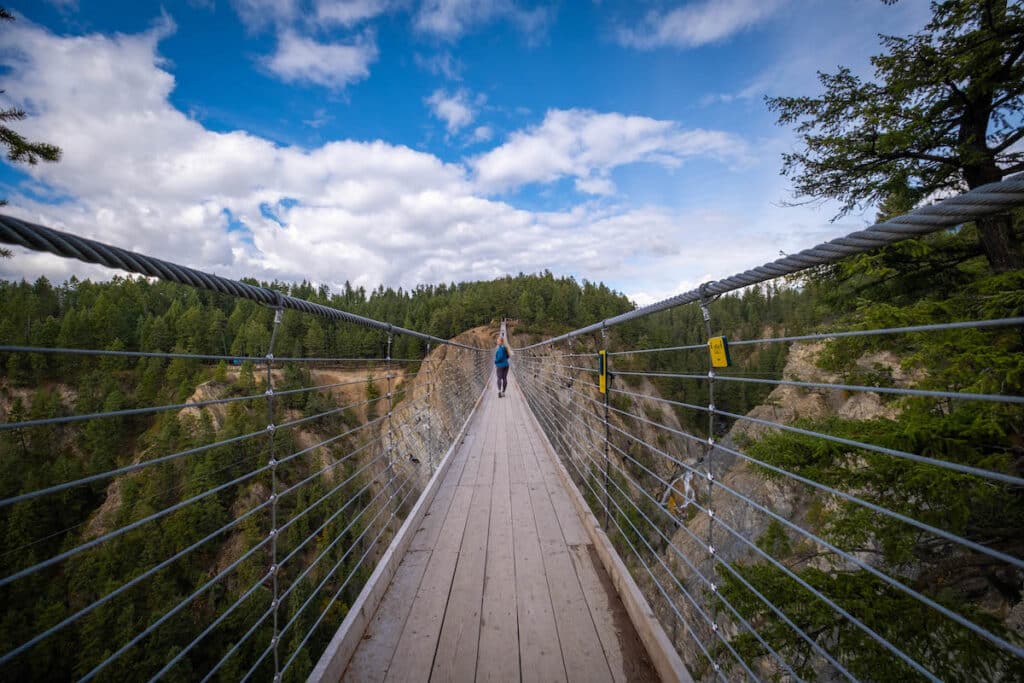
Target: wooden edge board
[335,659]
[659,647]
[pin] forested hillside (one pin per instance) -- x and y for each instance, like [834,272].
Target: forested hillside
[139,315]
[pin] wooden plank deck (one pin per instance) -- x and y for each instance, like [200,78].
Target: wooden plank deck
[501,582]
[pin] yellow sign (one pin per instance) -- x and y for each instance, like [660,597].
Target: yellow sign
[602,382]
[719,348]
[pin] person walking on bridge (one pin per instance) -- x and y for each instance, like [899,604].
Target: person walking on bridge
[501,356]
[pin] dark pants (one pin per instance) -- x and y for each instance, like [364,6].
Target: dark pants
[502,378]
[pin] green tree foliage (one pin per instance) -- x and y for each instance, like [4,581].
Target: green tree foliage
[18,148]
[943,113]
[129,313]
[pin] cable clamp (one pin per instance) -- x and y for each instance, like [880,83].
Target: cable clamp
[714,588]
[269,392]
[711,441]
[279,313]
[273,569]
[271,428]
[714,627]
[711,476]
[711,513]
[711,374]
[711,408]
[273,532]
[272,463]
[711,549]
[272,498]
[269,356]
[274,603]
[388,395]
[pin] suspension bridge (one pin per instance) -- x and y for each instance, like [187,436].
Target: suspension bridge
[570,530]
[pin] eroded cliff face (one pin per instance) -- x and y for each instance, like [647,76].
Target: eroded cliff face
[433,405]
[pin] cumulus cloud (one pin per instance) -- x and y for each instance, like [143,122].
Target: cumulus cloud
[141,174]
[456,109]
[333,65]
[348,13]
[450,19]
[587,145]
[697,23]
[258,14]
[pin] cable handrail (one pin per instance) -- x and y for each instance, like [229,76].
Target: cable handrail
[981,201]
[40,238]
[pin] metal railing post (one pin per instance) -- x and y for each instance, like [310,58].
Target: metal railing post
[430,391]
[709,467]
[272,461]
[607,429]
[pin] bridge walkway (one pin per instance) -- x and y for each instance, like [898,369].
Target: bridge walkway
[501,581]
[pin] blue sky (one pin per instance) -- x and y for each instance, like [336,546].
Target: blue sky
[409,141]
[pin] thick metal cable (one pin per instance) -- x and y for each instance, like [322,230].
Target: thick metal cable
[4,426]
[816,646]
[896,584]
[177,608]
[166,458]
[981,201]
[124,587]
[945,611]
[330,603]
[14,348]
[960,540]
[670,601]
[195,641]
[39,238]
[330,573]
[592,466]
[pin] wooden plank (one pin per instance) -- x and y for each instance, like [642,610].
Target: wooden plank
[343,644]
[660,649]
[581,648]
[371,658]
[414,654]
[498,657]
[456,654]
[626,656]
[540,654]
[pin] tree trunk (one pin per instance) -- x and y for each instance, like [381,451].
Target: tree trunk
[1000,243]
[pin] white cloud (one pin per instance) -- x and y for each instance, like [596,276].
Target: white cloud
[348,13]
[587,145]
[440,64]
[140,174]
[482,134]
[333,65]
[456,109]
[697,23]
[450,19]
[258,14]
